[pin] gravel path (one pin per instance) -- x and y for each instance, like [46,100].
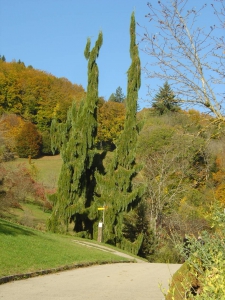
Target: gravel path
[120,281]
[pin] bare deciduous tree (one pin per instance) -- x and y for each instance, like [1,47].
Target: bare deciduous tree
[186,48]
[164,173]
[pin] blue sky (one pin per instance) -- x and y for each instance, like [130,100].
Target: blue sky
[51,36]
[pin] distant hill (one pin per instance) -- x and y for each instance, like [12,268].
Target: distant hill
[35,95]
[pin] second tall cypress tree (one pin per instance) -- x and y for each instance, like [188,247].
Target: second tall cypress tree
[115,189]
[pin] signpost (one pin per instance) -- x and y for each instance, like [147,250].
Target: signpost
[100,225]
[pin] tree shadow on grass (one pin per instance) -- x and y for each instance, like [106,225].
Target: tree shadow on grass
[12,229]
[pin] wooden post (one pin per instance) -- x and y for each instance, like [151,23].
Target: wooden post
[100,232]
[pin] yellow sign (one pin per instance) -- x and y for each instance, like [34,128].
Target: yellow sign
[101,208]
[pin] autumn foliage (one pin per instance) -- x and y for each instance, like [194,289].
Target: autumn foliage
[28,141]
[18,186]
[111,117]
[36,95]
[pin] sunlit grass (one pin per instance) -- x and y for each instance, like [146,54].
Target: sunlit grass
[25,250]
[30,214]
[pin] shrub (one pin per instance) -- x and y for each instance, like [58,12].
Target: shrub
[28,141]
[203,275]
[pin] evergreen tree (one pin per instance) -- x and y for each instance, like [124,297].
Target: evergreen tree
[76,141]
[165,100]
[118,96]
[116,188]
[46,143]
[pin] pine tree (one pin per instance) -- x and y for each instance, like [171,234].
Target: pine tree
[165,100]
[118,96]
[115,190]
[76,141]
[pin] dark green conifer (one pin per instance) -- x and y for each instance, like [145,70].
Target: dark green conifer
[76,141]
[116,188]
[118,96]
[165,100]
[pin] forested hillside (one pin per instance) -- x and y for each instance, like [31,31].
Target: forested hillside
[36,95]
[33,98]
[183,167]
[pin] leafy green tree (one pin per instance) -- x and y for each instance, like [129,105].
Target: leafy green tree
[28,141]
[165,100]
[116,189]
[118,96]
[76,141]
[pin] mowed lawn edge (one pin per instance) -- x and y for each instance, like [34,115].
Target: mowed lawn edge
[24,250]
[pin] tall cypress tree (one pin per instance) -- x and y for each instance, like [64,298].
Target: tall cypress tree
[76,139]
[115,190]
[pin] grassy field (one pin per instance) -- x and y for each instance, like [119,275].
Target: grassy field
[46,169]
[24,250]
[30,215]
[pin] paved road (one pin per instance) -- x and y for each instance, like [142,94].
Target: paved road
[120,281]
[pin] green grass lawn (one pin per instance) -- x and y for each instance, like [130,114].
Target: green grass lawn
[24,250]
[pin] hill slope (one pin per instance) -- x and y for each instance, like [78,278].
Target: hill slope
[24,250]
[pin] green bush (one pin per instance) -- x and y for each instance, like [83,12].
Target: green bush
[203,274]
[46,143]
[166,254]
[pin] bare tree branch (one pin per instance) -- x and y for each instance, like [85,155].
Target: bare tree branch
[189,57]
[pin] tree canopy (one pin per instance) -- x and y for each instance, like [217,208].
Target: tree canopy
[111,116]
[28,141]
[36,95]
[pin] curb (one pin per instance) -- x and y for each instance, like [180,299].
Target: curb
[10,278]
